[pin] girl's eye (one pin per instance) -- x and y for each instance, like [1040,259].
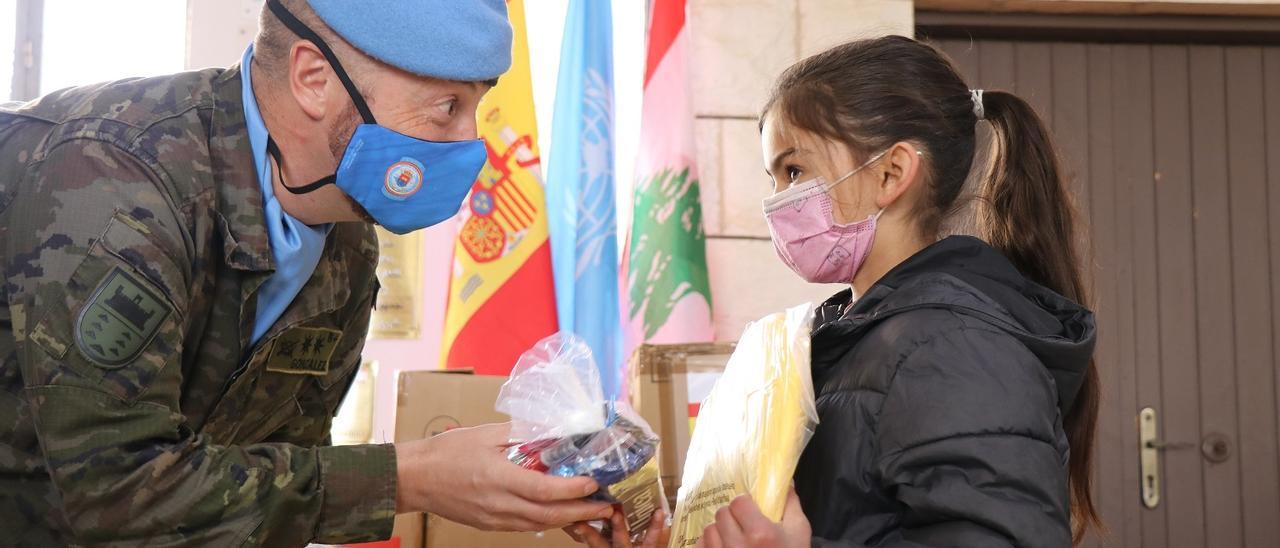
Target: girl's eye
[793,173]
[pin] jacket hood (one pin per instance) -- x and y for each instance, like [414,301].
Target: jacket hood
[968,276]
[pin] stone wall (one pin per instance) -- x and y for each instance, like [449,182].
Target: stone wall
[739,48]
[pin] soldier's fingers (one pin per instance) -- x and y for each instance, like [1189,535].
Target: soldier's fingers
[518,525]
[501,513]
[540,487]
[499,520]
[552,515]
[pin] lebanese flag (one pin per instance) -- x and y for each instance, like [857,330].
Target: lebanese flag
[668,292]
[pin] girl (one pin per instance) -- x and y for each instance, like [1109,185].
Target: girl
[955,383]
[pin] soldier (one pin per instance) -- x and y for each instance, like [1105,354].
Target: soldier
[168,243]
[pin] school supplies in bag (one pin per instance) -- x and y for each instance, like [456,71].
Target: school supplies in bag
[752,427]
[562,424]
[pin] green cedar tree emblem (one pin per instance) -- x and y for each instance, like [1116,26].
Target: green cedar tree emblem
[668,249]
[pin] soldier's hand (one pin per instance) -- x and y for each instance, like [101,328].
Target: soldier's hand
[463,475]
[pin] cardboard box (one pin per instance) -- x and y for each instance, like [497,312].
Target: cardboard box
[434,401]
[442,533]
[408,530]
[668,382]
[431,402]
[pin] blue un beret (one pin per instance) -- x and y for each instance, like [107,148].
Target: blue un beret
[462,40]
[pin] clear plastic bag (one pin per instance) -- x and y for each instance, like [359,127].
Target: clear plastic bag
[554,391]
[752,427]
[561,424]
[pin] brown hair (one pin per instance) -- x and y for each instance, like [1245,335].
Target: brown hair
[870,94]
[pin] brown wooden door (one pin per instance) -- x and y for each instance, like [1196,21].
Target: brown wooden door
[1174,155]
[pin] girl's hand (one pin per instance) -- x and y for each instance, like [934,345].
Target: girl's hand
[656,536]
[742,525]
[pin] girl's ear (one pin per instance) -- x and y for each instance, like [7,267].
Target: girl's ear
[900,170]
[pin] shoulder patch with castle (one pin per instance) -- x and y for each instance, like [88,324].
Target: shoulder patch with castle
[119,320]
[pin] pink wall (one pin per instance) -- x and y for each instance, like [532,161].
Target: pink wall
[424,352]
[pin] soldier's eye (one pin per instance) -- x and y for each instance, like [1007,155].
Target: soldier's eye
[449,107]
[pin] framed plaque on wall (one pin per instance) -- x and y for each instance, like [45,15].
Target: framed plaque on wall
[397,309]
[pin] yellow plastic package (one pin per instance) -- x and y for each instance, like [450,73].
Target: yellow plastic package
[752,427]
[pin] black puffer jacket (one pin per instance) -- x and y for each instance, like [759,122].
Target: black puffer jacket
[941,395]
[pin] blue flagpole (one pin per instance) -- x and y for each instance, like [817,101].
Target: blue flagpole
[580,188]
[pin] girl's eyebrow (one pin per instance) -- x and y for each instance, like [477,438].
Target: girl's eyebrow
[777,160]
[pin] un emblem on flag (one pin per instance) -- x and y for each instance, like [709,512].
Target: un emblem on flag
[120,319]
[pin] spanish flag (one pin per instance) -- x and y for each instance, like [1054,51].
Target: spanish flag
[501,293]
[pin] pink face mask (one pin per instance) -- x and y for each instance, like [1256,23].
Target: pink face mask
[807,238]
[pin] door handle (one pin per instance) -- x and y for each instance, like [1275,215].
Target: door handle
[1150,447]
[1159,445]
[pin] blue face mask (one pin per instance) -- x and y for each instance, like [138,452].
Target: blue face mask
[404,183]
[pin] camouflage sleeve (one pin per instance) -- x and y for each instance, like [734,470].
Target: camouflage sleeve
[100,265]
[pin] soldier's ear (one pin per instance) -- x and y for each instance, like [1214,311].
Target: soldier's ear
[311,79]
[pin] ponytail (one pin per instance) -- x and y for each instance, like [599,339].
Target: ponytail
[1026,212]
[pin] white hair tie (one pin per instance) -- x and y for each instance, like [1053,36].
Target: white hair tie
[978,109]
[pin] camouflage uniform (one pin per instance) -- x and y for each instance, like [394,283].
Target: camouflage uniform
[133,408]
